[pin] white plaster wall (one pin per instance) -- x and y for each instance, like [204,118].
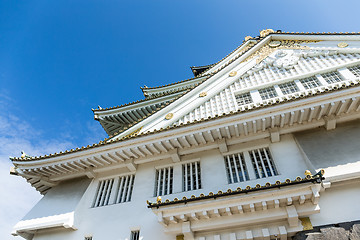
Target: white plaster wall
[339,203]
[61,199]
[114,222]
[337,151]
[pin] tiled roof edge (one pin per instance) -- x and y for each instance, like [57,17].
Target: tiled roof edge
[317,178]
[267,104]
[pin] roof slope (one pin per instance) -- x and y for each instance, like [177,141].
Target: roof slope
[250,49]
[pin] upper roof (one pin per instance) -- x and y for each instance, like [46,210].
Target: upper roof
[200,69]
[257,63]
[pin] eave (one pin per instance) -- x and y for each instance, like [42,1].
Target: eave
[269,121]
[200,69]
[151,92]
[116,119]
[27,228]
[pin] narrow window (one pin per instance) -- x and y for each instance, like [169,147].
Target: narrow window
[191,176]
[311,82]
[135,235]
[243,99]
[236,168]
[124,189]
[164,181]
[267,93]
[103,193]
[263,163]
[332,77]
[288,88]
[355,70]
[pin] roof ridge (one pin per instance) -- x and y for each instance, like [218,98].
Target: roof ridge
[166,85]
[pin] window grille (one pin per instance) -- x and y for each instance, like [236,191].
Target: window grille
[355,70]
[288,88]
[191,176]
[164,181]
[267,93]
[88,238]
[124,190]
[107,193]
[262,162]
[103,192]
[135,235]
[332,77]
[236,168]
[311,82]
[243,99]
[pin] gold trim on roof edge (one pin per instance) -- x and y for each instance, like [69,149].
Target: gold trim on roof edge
[318,177]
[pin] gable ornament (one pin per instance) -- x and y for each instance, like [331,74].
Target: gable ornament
[232,74]
[202,94]
[287,58]
[169,116]
[342,45]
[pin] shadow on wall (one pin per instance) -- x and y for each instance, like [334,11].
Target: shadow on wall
[334,147]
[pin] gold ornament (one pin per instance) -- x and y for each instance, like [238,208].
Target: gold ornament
[274,44]
[202,94]
[266,32]
[169,116]
[233,73]
[306,223]
[307,172]
[265,51]
[158,199]
[342,45]
[248,38]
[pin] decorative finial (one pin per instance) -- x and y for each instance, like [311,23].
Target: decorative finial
[99,107]
[158,199]
[266,32]
[248,38]
[307,173]
[320,173]
[24,155]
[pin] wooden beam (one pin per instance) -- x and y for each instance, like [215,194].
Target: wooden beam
[218,132]
[162,147]
[185,141]
[321,111]
[131,165]
[174,154]
[170,145]
[211,136]
[146,150]
[254,126]
[155,148]
[352,105]
[202,138]
[192,137]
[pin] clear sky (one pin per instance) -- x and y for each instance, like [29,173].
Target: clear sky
[59,59]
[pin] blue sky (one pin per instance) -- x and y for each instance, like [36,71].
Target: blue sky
[59,59]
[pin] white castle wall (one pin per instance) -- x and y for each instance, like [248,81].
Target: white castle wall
[116,221]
